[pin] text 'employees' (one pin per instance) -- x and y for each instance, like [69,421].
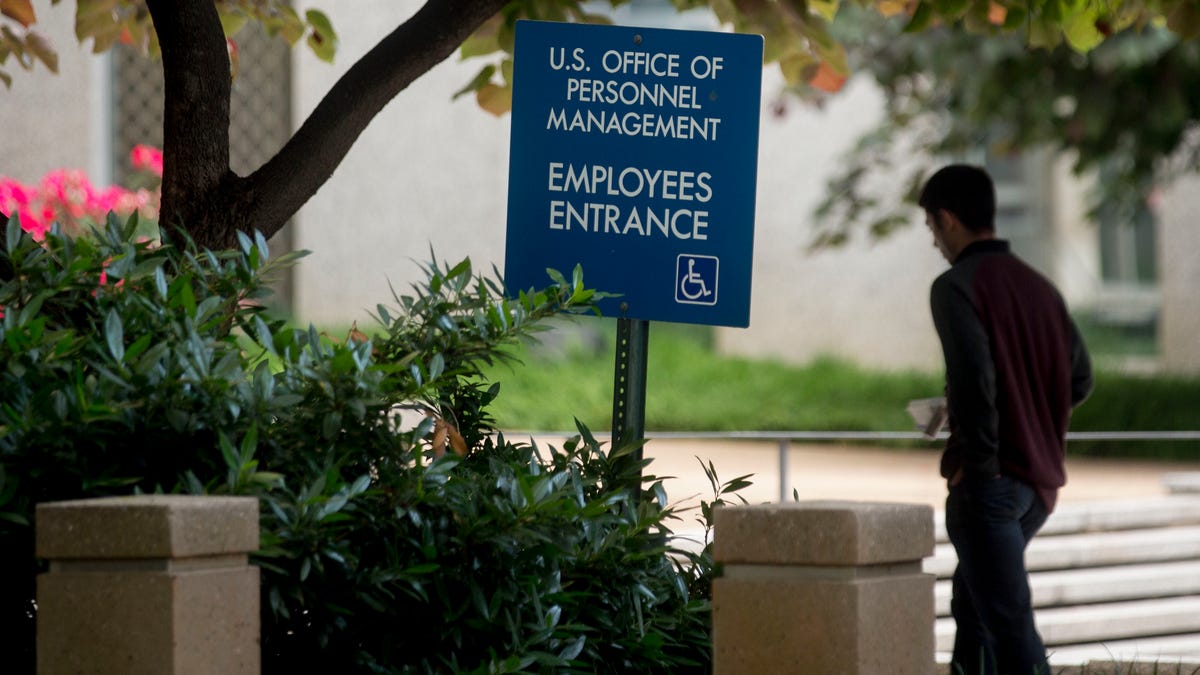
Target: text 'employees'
[631,182]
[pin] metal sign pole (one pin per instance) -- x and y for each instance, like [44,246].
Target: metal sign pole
[629,390]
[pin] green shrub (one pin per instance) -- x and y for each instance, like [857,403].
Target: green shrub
[392,542]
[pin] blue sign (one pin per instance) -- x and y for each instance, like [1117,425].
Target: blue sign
[634,154]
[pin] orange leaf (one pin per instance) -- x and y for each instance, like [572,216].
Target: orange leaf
[495,99]
[20,11]
[827,79]
[440,430]
[997,13]
[356,335]
[445,431]
[891,7]
[457,442]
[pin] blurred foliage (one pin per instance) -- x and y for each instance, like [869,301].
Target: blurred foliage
[812,55]
[797,32]
[108,22]
[1123,112]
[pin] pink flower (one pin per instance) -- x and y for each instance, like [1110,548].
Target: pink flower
[33,224]
[147,158]
[67,197]
[13,196]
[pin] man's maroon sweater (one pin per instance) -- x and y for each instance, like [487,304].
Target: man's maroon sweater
[1015,368]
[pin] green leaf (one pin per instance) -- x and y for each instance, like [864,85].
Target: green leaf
[482,78]
[323,41]
[1044,32]
[94,18]
[268,479]
[331,425]
[952,9]
[232,22]
[574,649]
[232,462]
[15,518]
[1080,29]
[114,334]
[39,46]
[13,232]
[160,282]
[249,444]
[260,242]
[139,345]
[484,41]
[556,277]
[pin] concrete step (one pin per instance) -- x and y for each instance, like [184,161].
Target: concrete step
[1106,622]
[1092,550]
[1101,584]
[1124,514]
[1097,660]
[1165,651]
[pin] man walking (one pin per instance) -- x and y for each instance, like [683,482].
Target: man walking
[1015,368]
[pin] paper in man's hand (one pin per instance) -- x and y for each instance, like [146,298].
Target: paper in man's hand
[929,414]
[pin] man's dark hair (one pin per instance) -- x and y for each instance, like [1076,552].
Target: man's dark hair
[964,190]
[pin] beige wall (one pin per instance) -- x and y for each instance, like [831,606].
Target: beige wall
[1076,259]
[1179,271]
[427,172]
[50,122]
[867,301]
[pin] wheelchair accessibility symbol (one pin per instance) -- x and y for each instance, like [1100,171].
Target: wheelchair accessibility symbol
[696,279]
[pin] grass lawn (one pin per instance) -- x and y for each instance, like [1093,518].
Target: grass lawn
[689,388]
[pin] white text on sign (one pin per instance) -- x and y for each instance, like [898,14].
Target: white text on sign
[631,183]
[598,90]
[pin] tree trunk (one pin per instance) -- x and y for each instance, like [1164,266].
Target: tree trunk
[201,195]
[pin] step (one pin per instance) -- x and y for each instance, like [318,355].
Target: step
[1101,584]
[1098,659]
[1096,623]
[1123,514]
[1167,650]
[1091,550]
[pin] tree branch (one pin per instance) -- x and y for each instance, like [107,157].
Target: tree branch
[280,187]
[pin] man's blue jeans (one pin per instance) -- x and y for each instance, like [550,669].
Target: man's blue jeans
[990,523]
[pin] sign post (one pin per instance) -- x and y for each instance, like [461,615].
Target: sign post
[629,386]
[634,154]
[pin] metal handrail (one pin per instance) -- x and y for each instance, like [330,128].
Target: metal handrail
[785,438]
